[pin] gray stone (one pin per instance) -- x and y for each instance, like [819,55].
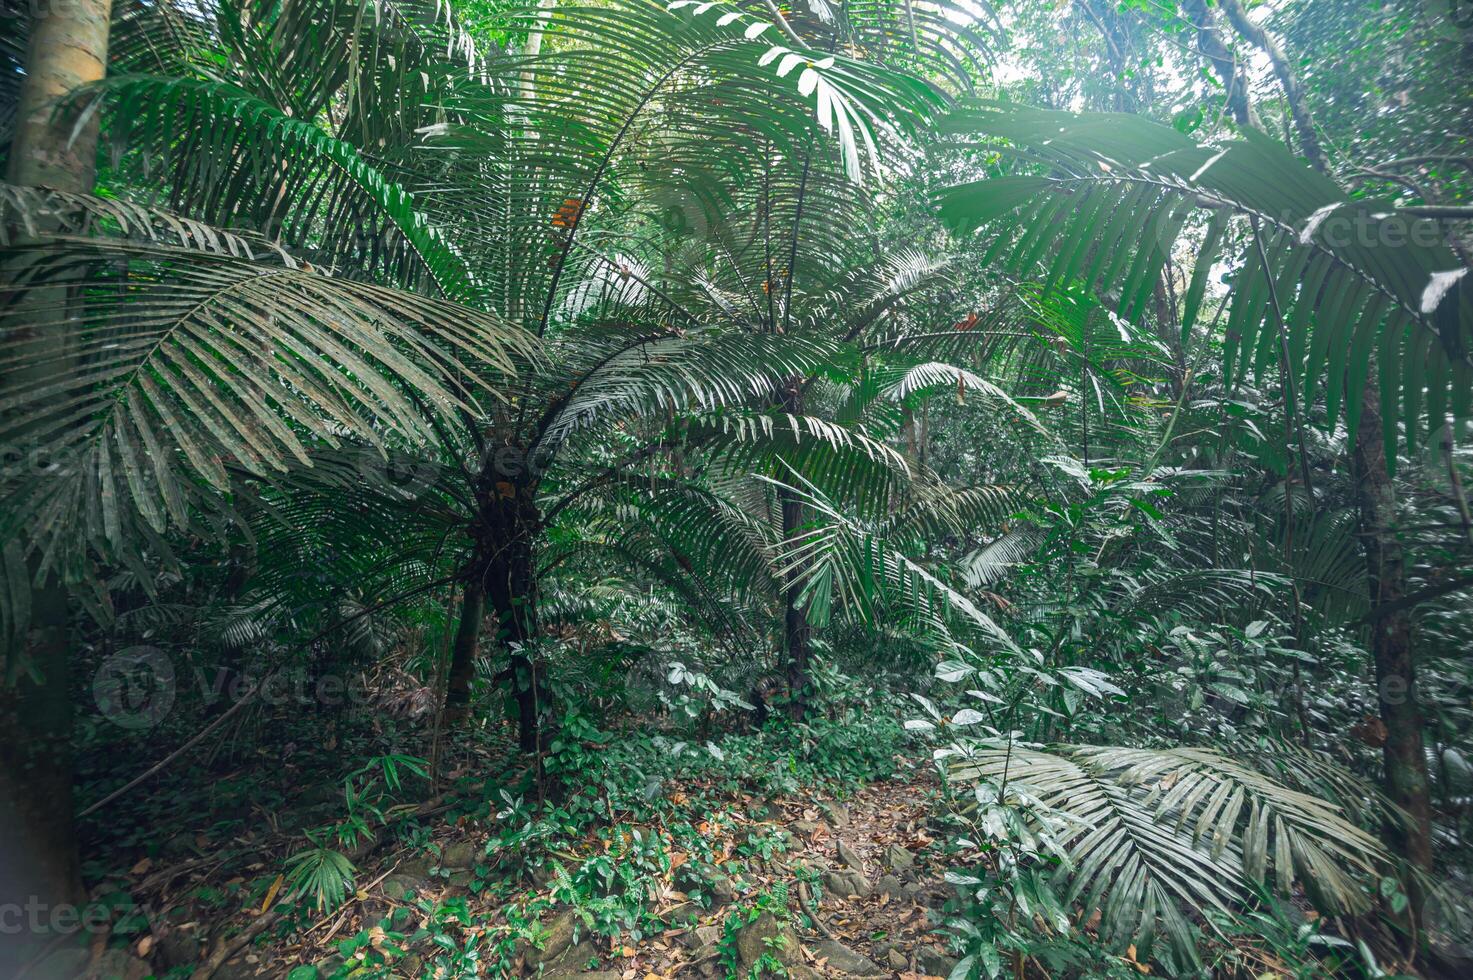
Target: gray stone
[897,961]
[836,813]
[767,935]
[912,890]
[846,884]
[416,866]
[806,827]
[117,964]
[889,885]
[178,947]
[398,886]
[571,962]
[459,856]
[702,941]
[934,962]
[559,938]
[723,890]
[849,856]
[898,859]
[846,960]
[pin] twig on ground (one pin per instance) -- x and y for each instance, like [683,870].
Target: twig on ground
[813,913]
[226,948]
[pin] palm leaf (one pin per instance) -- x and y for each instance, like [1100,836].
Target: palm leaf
[186,354]
[1153,832]
[1374,281]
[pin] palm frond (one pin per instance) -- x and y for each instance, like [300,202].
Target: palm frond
[147,370]
[1151,833]
[1128,187]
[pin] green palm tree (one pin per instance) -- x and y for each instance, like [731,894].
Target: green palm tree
[380,148]
[1357,303]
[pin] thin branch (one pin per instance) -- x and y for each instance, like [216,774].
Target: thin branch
[163,763]
[1309,141]
[1451,212]
[782,23]
[1417,598]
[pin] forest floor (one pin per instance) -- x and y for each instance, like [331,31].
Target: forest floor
[820,885]
[868,912]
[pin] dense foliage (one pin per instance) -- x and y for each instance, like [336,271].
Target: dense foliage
[592,426]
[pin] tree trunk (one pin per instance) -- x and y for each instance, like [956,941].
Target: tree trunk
[1224,63]
[505,580]
[796,631]
[464,649]
[68,49]
[38,850]
[1391,643]
[512,587]
[39,862]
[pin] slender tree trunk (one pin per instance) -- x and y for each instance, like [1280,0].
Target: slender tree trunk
[1222,59]
[1404,755]
[464,648]
[39,861]
[796,630]
[503,581]
[512,587]
[1309,141]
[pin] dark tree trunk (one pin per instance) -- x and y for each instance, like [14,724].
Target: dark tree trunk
[1391,643]
[464,649]
[512,587]
[39,862]
[796,631]
[503,581]
[1229,71]
[1217,53]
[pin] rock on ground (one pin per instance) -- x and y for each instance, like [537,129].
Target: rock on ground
[849,856]
[898,859]
[559,938]
[841,957]
[765,936]
[846,884]
[935,962]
